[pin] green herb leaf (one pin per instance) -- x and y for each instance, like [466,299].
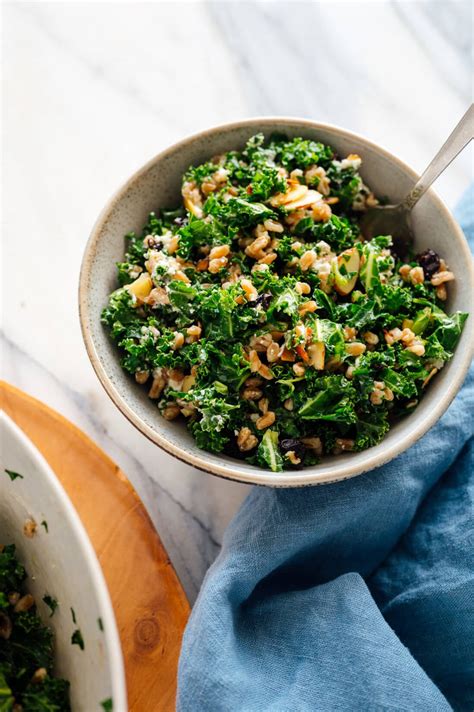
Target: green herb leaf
[77,639]
[51,603]
[13,475]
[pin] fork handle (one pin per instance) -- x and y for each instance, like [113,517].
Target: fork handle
[457,140]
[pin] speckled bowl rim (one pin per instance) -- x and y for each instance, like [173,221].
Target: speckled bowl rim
[228,470]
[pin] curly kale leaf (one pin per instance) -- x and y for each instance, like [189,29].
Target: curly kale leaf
[182,296]
[385,306]
[361,314]
[345,184]
[284,248]
[338,232]
[449,328]
[331,335]
[260,173]
[124,273]
[334,400]
[135,247]
[326,306]
[140,353]
[400,383]
[371,429]
[238,212]
[286,302]
[51,695]
[135,251]
[30,645]
[393,299]
[200,174]
[198,233]
[222,317]
[370,366]
[265,182]
[12,573]
[301,153]
[212,429]
[230,367]
[257,152]
[119,315]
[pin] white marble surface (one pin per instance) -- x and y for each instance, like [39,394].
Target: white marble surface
[92,90]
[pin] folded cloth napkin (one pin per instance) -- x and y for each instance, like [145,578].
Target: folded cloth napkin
[357,595]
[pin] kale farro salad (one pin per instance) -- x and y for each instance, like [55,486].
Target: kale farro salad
[257,313]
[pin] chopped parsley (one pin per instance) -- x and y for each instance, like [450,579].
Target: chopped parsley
[257,314]
[51,603]
[13,475]
[77,639]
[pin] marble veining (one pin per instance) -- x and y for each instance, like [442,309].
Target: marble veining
[93,90]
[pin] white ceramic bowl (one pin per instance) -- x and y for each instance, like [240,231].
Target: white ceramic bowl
[61,562]
[157,185]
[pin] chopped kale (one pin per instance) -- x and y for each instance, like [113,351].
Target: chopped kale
[27,648]
[238,212]
[12,573]
[302,153]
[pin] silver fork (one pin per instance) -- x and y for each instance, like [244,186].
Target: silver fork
[395,220]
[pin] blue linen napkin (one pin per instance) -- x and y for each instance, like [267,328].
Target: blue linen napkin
[353,596]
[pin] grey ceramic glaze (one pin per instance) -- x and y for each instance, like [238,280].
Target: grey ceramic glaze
[157,185]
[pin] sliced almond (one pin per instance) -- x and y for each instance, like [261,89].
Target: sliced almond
[194,209]
[295,191]
[316,353]
[287,355]
[311,197]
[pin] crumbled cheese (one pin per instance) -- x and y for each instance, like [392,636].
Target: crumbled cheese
[323,249]
[351,162]
[162,264]
[165,238]
[175,384]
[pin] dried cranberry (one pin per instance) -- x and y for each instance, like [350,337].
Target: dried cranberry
[292,444]
[153,243]
[430,262]
[263,299]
